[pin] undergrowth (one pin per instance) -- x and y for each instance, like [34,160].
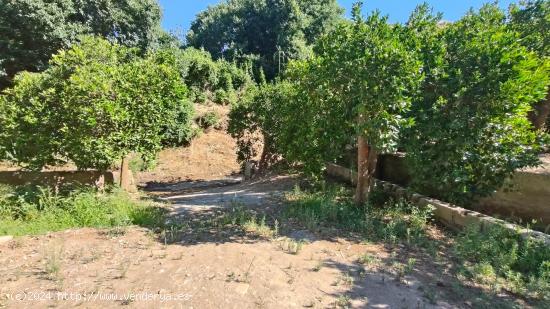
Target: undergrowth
[31,210]
[392,221]
[502,259]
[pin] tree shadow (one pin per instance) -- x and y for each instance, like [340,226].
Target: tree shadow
[429,282]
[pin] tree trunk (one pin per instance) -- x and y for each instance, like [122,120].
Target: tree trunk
[540,113]
[367,159]
[125,177]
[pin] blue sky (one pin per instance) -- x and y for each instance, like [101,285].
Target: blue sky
[178,14]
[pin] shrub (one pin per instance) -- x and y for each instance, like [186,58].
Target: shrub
[470,128]
[209,120]
[206,76]
[263,113]
[95,104]
[138,164]
[178,131]
[220,96]
[36,210]
[200,97]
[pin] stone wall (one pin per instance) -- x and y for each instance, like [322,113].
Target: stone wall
[526,197]
[454,217]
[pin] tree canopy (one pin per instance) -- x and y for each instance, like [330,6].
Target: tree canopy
[272,30]
[358,84]
[470,120]
[531,20]
[96,103]
[454,96]
[31,31]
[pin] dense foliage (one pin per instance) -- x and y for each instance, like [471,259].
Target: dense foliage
[96,103]
[467,130]
[361,70]
[272,30]
[532,22]
[258,119]
[219,81]
[31,31]
[471,130]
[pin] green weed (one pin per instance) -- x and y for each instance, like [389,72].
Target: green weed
[395,221]
[36,210]
[501,258]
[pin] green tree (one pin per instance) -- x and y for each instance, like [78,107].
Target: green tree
[358,84]
[31,31]
[96,103]
[274,30]
[367,68]
[471,130]
[531,20]
[260,119]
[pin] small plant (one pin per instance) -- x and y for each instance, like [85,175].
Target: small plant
[346,279]
[318,266]
[402,270]
[244,278]
[430,295]
[292,246]
[220,96]
[259,228]
[409,267]
[200,97]
[483,273]
[52,267]
[209,120]
[343,301]
[223,97]
[368,260]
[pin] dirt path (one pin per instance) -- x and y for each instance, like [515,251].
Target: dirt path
[189,197]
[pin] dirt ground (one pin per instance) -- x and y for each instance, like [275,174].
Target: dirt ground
[212,155]
[243,273]
[208,267]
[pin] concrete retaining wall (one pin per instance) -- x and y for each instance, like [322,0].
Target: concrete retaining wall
[452,216]
[57,179]
[526,198]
